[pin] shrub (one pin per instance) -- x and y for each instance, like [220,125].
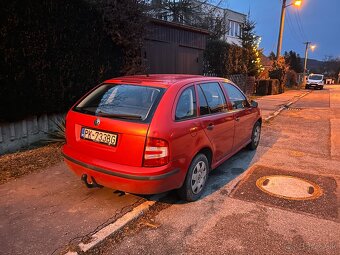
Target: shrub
[51,52]
[291,78]
[222,59]
[268,87]
[278,70]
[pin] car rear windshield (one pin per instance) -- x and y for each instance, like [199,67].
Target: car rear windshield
[315,77]
[121,101]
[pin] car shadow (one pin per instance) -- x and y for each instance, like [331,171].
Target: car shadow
[231,168]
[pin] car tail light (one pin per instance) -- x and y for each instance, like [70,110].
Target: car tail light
[156,152]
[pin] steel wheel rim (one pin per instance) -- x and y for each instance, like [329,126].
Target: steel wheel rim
[199,176]
[257,133]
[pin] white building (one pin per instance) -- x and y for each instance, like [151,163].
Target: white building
[197,11]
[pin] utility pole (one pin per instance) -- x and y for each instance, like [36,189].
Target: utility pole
[297,3]
[282,23]
[305,64]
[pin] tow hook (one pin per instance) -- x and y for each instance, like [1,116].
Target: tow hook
[91,185]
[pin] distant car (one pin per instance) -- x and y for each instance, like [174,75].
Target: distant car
[315,81]
[150,134]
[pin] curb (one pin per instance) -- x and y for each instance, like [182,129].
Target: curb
[114,227]
[277,112]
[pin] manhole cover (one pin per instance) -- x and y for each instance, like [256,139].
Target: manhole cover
[289,187]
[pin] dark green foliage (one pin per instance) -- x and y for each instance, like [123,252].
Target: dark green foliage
[51,52]
[278,69]
[294,61]
[272,56]
[58,135]
[250,42]
[125,22]
[268,87]
[331,67]
[291,78]
[179,11]
[222,59]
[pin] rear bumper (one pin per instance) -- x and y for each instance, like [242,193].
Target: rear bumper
[149,181]
[314,85]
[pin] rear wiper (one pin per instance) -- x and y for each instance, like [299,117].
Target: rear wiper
[121,116]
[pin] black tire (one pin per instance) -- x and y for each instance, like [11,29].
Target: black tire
[255,136]
[321,87]
[306,87]
[192,189]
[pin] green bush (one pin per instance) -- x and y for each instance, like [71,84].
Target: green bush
[222,59]
[268,87]
[51,52]
[291,78]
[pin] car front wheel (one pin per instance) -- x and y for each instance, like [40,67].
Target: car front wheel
[255,136]
[196,179]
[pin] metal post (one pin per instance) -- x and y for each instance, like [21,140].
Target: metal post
[282,22]
[305,64]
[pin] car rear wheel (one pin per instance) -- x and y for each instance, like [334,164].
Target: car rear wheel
[196,179]
[255,136]
[306,87]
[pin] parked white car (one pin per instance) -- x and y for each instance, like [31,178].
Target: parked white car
[315,81]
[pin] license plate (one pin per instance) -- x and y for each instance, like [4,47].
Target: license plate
[98,136]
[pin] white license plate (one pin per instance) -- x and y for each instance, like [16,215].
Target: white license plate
[99,136]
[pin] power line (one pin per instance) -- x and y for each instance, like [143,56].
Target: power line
[299,24]
[296,35]
[302,27]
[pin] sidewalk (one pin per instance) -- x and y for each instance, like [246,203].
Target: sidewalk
[271,105]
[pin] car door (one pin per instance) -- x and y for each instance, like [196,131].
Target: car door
[186,126]
[216,121]
[244,115]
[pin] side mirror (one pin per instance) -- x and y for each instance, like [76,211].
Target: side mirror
[254,104]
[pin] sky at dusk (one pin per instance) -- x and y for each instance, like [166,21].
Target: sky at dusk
[317,21]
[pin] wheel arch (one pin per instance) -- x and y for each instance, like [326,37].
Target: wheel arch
[208,153]
[259,120]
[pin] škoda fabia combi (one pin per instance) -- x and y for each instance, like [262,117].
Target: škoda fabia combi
[150,134]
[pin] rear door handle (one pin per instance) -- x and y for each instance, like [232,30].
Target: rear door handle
[210,126]
[237,118]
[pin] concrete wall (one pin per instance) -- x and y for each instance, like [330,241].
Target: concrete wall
[21,134]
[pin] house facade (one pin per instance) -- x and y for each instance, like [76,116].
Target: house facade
[196,13]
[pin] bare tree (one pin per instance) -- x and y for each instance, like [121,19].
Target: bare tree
[201,14]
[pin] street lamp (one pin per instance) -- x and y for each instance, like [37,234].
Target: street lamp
[312,47]
[296,3]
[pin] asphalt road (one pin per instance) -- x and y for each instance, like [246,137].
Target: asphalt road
[44,213]
[234,217]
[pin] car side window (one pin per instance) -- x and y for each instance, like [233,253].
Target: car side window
[238,100]
[204,108]
[186,105]
[214,97]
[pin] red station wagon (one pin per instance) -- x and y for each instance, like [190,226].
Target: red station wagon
[153,133]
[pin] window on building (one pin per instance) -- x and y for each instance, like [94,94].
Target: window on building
[234,28]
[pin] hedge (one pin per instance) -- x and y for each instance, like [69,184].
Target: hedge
[269,87]
[51,52]
[222,59]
